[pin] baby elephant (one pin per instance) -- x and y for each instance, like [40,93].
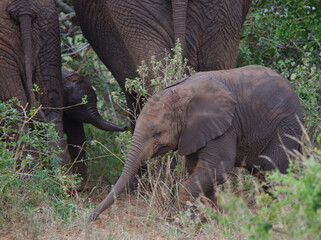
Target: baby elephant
[75,88]
[243,117]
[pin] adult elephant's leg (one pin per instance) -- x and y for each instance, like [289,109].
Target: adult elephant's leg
[213,36]
[48,71]
[122,40]
[99,23]
[10,80]
[76,139]
[11,59]
[215,162]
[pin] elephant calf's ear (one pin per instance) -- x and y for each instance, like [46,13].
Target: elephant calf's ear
[208,115]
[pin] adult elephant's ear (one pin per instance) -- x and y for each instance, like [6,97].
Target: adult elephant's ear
[208,114]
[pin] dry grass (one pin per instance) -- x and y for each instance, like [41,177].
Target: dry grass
[152,212]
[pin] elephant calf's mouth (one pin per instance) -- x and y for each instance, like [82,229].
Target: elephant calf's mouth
[162,150]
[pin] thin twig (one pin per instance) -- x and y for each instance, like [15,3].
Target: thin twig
[77,51]
[276,43]
[111,100]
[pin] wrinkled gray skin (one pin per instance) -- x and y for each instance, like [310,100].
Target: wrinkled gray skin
[75,87]
[30,54]
[218,120]
[125,32]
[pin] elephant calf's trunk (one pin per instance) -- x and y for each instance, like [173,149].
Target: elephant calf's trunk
[97,120]
[134,160]
[126,177]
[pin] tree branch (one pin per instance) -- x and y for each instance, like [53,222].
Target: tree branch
[64,6]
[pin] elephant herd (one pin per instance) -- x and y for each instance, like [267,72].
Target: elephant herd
[220,119]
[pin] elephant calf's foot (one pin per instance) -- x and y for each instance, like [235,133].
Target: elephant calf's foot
[208,198]
[185,197]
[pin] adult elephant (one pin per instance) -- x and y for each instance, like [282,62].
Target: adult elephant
[75,88]
[30,54]
[244,117]
[125,32]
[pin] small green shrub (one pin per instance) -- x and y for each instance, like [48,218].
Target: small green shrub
[158,74]
[30,174]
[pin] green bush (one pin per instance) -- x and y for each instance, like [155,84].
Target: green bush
[31,178]
[292,211]
[295,211]
[279,31]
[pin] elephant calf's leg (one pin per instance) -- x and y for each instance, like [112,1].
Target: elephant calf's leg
[215,162]
[76,139]
[191,162]
[202,183]
[285,140]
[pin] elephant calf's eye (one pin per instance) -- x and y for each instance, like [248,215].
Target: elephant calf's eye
[157,134]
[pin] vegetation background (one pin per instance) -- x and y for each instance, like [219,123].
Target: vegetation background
[34,198]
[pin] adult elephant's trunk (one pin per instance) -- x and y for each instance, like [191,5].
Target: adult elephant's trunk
[179,21]
[97,120]
[135,158]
